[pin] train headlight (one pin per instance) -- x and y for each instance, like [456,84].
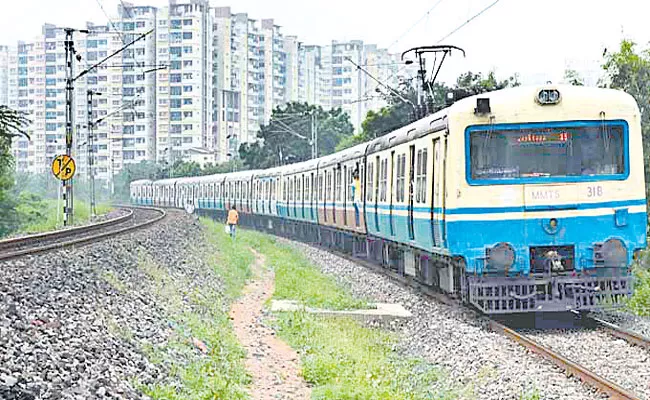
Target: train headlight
[614,254]
[548,96]
[501,256]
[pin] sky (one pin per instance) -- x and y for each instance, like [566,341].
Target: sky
[536,39]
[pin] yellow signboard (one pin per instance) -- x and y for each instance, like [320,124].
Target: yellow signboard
[63,167]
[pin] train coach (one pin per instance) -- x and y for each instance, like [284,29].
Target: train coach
[519,200]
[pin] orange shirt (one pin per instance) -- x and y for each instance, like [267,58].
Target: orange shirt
[233,217]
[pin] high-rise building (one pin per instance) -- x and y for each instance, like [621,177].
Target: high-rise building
[275,67]
[292,57]
[4,75]
[185,108]
[225,75]
[37,89]
[312,79]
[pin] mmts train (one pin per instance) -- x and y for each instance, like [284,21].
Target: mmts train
[520,200]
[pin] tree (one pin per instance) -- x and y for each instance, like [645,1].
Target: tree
[287,137]
[630,71]
[12,124]
[572,77]
[473,84]
[134,172]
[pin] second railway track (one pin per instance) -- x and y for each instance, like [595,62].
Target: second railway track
[136,218]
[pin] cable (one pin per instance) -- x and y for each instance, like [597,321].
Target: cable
[468,21]
[110,21]
[415,24]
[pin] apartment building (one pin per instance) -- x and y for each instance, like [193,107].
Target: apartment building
[225,74]
[184,96]
[36,87]
[4,75]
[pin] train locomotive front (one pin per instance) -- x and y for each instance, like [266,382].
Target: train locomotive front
[548,207]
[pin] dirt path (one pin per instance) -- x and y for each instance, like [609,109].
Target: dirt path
[273,365]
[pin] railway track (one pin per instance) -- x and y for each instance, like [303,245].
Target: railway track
[136,218]
[572,368]
[627,335]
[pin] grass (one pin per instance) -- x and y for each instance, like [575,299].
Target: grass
[639,304]
[296,278]
[344,360]
[199,311]
[41,216]
[341,358]
[233,260]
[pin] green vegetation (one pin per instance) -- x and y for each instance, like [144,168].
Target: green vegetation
[41,215]
[340,357]
[640,301]
[344,360]
[231,261]
[296,278]
[198,313]
[531,395]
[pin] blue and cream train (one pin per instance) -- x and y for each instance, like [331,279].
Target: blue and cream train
[519,200]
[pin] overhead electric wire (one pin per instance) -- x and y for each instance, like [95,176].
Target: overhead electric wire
[468,21]
[110,21]
[415,24]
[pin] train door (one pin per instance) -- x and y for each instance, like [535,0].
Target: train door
[323,192]
[303,195]
[391,192]
[437,209]
[344,190]
[410,191]
[312,197]
[378,170]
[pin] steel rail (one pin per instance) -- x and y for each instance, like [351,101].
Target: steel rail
[602,384]
[26,240]
[627,335]
[87,239]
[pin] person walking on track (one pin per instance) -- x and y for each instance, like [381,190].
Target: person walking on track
[233,220]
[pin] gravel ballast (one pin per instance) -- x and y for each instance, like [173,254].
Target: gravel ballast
[73,323]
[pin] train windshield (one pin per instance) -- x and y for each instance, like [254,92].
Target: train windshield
[538,151]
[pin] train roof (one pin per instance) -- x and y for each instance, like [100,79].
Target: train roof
[168,181]
[239,175]
[351,153]
[432,123]
[265,173]
[141,182]
[523,98]
[303,166]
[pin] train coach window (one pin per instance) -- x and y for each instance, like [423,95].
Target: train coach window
[590,149]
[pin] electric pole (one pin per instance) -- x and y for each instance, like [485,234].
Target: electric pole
[91,150]
[314,135]
[69,91]
[70,53]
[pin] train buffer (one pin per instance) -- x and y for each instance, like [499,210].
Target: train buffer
[380,311]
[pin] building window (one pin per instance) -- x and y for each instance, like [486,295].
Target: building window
[175,90]
[187,35]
